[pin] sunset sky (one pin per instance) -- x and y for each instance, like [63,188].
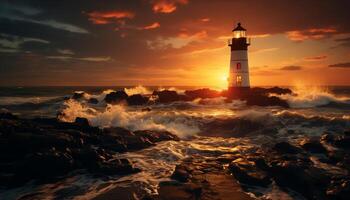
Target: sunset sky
[172,42]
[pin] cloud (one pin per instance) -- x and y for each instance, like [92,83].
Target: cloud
[89,59]
[5,50]
[65,51]
[291,68]
[310,34]
[13,43]
[27,14]
[340,65]
[57,25]
[152,26]
[315,58]
[107,17]
[344,41]
[180,41]
[264,73]
[264,50]
[8,9]
[166,6]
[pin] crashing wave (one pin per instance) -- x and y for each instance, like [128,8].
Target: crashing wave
[308,97]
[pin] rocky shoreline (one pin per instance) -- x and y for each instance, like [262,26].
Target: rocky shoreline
[46,149]
[289,167]
[252,96]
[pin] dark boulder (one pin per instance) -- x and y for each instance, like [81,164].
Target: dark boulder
[80,121]
[137,99]
[93,101]
[248,173]
[46,165]
[342,142]
[328,138]
[278,90]
[264,100]
[148,109]
[116,97]
[5,114]
[301,177]
[313,146]
[167,96]
[181,173]
[202,93]
[285,147]
[78,95]
[156,136]
[339,190]
[116,166]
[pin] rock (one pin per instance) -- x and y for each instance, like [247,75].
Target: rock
[80,121]
[46,165]
[247,173]
[116,97]
[169,190]
[342,142]
[116,166]
[181,173]
[137,99]
[278,90]
[148,109]
[339,190]
[78,95]
[328,138]
[301,177]
[5,114]
[167,96]
[202,93]
[93,101]
[313,146]
[45,149]
[264,100]
[347,133]
[156,136]
[285,147]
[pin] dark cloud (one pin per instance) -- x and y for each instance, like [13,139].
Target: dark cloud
[291,68]
[340,65]
[344,42]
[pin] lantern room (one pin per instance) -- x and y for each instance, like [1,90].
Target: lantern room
[239,31]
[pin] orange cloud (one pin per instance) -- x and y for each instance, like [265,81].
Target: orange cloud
[315,58]
[152,26]
[314,34]
[205,20]
[166,6]
[99,17]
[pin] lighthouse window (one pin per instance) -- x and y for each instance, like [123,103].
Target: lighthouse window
[238,66]
[239,80]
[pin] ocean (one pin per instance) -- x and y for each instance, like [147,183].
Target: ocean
[206,128]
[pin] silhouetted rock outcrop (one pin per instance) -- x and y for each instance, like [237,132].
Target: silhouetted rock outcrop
[167,96]
[202,93]
[116,97]
[137,99]
[93,101]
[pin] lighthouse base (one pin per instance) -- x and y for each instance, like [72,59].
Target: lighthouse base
[237,92]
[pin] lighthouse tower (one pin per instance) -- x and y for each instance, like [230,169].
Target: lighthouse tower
[239,70]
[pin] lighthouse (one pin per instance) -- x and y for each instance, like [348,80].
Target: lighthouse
[239,70]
